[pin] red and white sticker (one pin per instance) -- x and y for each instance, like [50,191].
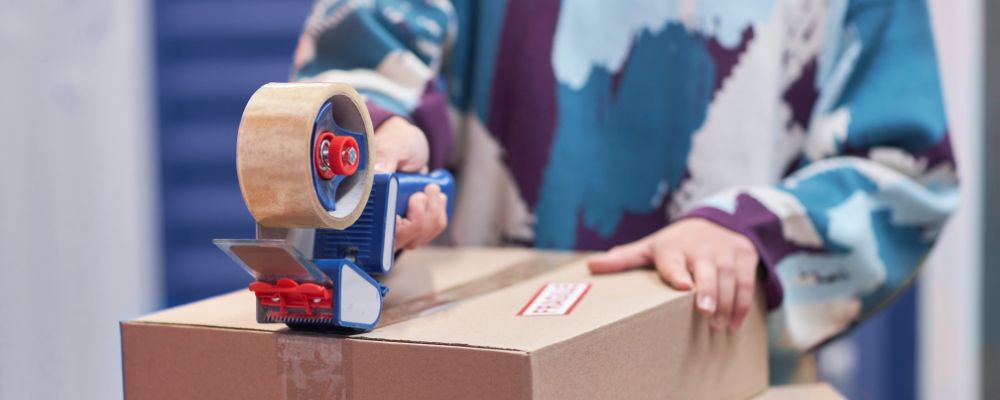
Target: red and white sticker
[555,299]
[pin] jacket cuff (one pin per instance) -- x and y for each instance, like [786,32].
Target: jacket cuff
[431,116]
[378,114]
[764,230]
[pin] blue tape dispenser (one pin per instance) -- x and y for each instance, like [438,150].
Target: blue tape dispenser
[325,220]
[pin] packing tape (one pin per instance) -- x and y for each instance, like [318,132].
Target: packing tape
[274,157]
[519,272]
[316,366]
[312,366]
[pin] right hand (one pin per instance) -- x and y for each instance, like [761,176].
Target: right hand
[402,146]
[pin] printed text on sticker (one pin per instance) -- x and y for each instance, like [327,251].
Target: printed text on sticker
[555,299]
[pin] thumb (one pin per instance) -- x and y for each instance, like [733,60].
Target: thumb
[408,160]
[633,255]
[400,146]
[386,160]
[392,156]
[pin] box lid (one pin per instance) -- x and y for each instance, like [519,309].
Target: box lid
[429,273]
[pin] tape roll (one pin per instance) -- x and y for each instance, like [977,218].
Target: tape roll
[274,157]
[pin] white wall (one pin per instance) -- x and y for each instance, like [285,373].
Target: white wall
[950,284]
[77,240]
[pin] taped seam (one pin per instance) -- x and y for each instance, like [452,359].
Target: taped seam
[312,367]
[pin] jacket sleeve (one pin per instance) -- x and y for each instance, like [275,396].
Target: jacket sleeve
[849,226]
[391,53]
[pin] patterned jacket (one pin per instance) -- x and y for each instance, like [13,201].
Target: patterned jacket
[815,128]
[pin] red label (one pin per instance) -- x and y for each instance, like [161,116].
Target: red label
[555,299]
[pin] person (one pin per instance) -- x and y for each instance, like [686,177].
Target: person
[796,146]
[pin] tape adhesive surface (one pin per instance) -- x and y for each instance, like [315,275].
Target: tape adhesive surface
[313,367]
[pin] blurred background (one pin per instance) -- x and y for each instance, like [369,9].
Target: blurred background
[117,168]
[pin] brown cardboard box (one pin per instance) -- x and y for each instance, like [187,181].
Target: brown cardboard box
[451,330]
[811,391]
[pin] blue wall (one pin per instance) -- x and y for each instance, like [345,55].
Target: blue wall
[881,354]
[211,55]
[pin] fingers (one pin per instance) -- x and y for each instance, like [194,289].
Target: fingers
[387,156]
[435,216]
[384,168]
[415,217]
[726,274]
[419,214]
[441,215]
[391,159]
[620,258]
[386,153]
[746,281]
[412,163]
[668,261]
[400,146]
[671,264]
[720,264]
[706,282]
[406,231]
[427,217]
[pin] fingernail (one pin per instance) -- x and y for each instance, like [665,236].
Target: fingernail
[380,167]
[706,303]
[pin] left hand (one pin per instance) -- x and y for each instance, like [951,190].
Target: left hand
[722,262]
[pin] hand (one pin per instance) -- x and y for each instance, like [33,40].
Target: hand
[722,262]
[401,146]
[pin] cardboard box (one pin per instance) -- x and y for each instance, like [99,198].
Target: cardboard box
[811,391]
[452,329]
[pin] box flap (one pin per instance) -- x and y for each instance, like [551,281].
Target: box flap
[610,298]
[461,323]
[417,274]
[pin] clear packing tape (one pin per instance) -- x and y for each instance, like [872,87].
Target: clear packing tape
[274,156]
[317,365]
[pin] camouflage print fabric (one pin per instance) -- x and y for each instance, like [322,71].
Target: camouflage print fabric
[815,128]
